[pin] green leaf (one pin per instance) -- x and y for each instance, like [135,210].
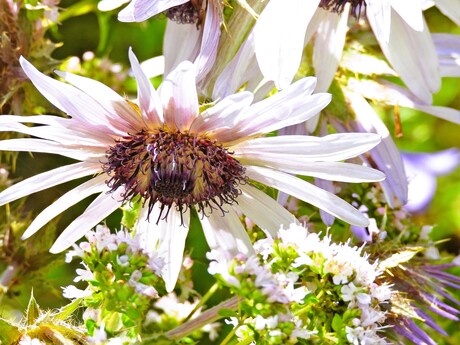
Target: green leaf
[130,214]
[33,310]
[337,323]
[9,332]
[227,313]
[66,311]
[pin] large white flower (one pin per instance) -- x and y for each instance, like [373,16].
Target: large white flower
[399,27]
[173,157]
[192,32]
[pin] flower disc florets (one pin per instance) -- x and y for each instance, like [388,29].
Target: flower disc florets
[174,168]
[187,13]
[338,6]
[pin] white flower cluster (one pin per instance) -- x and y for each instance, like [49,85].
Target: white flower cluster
[349,268]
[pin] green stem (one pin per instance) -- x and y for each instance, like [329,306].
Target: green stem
[203,300]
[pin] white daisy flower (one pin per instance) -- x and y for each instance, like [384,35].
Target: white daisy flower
[170,155]
[192,33]
[399,27]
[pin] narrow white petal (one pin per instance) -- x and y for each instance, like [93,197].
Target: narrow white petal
[99,209]
[179,96]
[288,107]
[117,110]
[223,114]
[379,12]
[147,228]
[95,185]
[329,43]
[309,193]
[140,10]
[48,179]
[149,101]
[225,232]
[154,67]
[330,148]
[448,49]
[37,119]
[334,171]
[182,42]
[450,8]
[257,205]
[279,46]
[420,72]
[327,218]
[410,11]
[93,154]
[209,42]
[69,99]
[171,245]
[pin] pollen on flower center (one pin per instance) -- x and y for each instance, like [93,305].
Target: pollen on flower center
[174,169]
[338,6]
[187,13]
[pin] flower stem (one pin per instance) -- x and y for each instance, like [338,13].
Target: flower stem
[203,300]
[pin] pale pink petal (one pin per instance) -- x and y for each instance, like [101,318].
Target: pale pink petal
[69,99]
[283,109]
[309,193]
[255,204]
[223,114]
[209,41]
[117,110]
[179,96]
[95,185]
[420,72]
[279,38]
[172,235]
[149,101]
[48,179]
[330,148]
[93,154]
[98,210]
[225,232]
[140,10]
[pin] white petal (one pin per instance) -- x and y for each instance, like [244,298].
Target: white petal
[179,96]
[95,185]
[209,42]
[327,218]
[93,154]
[118,111]
[149,101]
[309,193]
[410,11]
[329,43]
[69,99]
[154,67]
[334,171]
[99,209]
[225,232]
[182,42]
[288,107]
[279,38]
[379,12]
[48,179]
[223,114]
[420,72]
[256,205]
[450,8]
[171,245]
[448,49]
[140,10]
[330,148]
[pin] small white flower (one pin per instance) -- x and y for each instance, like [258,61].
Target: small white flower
[72,292]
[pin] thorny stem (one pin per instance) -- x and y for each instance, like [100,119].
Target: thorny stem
[205,318]
[203,300]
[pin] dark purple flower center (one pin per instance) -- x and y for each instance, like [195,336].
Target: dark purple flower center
[338,6]
[190,12]
[174,169]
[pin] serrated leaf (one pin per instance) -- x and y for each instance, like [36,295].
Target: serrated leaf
[67,310]
[33,310]
[399,258]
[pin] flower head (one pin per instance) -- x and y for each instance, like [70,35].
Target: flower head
[171,156]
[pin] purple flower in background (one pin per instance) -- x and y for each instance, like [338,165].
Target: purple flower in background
[422,170]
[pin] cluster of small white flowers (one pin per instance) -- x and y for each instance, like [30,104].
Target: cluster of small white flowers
[26,340]
[349,267]
[276,287]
